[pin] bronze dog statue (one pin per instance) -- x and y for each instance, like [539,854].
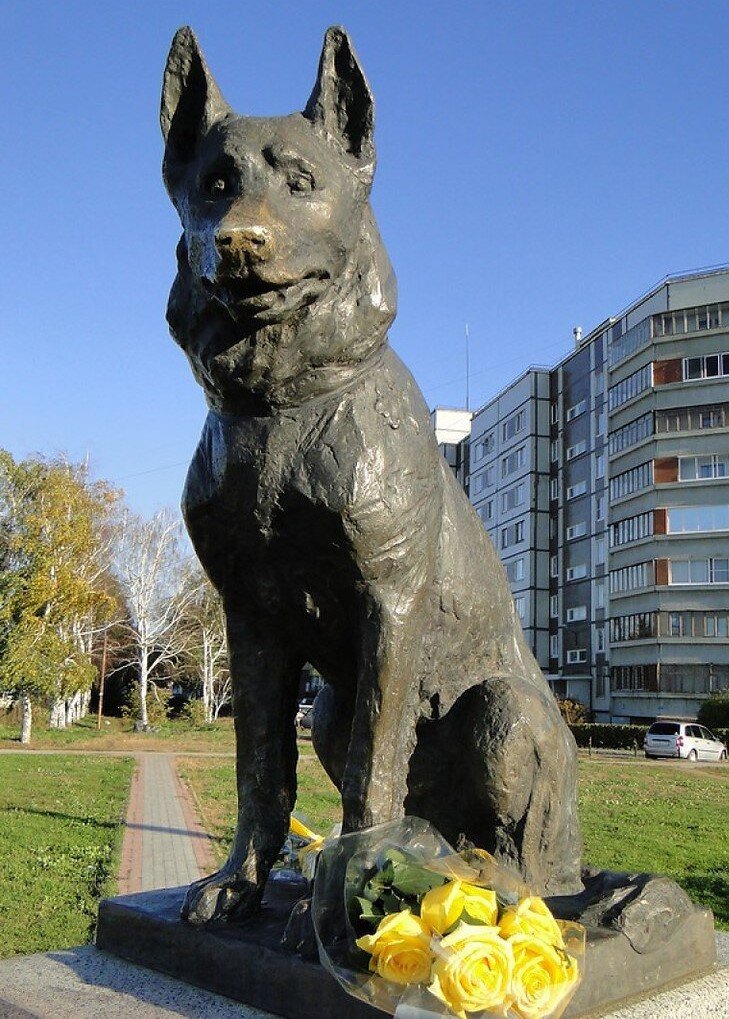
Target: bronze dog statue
[324,514]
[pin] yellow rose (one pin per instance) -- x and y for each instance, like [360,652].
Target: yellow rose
[441,907]
[400,949]
[531,916]
[472,970]
[543,975]
[480,903]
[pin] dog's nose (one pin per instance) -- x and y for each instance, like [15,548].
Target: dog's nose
[253,241]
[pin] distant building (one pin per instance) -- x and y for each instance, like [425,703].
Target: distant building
[452,427]
[604,485]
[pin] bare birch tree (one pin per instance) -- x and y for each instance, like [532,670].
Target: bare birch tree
[209,648]
[153,571]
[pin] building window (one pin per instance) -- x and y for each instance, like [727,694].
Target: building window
[515,570]
[703,468]
[520,606]
[630,387]
[624,532]
[600,465]
[600,423]
[576,656]
[576,613]
[633,677]
[637,626]
[554,413]
[692,419]
[483,446]
[692,519]
[577,450]
[554,646]
[512,462]
[554,605]
[698,571]
[513,425]
[599,550]
[573,491]
[577,572]
[600,640]
[631,578]
[710,366]
[635,431]
[553,566]
[554,450]
[512,534]
[636,337]
[576,410]
[486,511]
[634,480]
[599,507]
[514,497]
[576,530]
[690,320]
[600,594]
[554,489]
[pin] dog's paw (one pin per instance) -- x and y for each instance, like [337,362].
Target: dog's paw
[220,897]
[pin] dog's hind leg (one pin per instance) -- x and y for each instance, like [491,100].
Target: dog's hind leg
[265,674]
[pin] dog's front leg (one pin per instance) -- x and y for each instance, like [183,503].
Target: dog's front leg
[386,711]
[265,676]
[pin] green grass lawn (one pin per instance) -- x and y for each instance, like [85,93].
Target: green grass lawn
[116,734]
[636,817]
[667,820]
[60,838]
[212,784]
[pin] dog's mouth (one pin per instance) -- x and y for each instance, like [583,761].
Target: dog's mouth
[250,296]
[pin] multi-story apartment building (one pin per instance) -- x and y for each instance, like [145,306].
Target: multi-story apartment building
[604,484]
[509,486]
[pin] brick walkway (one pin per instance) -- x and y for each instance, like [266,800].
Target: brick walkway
[164,845]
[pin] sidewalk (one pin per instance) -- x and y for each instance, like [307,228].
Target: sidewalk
[164,845]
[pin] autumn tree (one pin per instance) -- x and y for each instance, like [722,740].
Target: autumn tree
[49,586]
[154,570]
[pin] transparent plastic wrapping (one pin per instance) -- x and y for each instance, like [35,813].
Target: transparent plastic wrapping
[408,925]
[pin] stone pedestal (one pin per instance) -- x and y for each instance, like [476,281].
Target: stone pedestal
[640,953]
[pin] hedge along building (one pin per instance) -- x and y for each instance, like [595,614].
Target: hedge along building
[604,485]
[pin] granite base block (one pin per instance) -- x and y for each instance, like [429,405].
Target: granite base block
[245,962]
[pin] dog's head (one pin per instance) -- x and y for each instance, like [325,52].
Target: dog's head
[271,207]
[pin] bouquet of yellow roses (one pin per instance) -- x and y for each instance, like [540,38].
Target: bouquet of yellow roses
[409,925]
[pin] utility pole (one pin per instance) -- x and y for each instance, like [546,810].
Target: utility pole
[102,676]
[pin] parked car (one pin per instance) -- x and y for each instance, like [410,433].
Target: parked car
[688,740]
[305,715]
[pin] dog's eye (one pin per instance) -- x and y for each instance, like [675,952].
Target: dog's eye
[299,181]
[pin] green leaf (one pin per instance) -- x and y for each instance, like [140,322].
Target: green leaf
[413,879]
[368,910]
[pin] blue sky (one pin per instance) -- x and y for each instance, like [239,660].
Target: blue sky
[541,164]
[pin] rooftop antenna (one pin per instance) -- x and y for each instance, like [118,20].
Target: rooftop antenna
[468,396]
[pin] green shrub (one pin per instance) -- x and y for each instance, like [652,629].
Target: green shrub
[714,712]
[193,713]
[158,700]
[609,737]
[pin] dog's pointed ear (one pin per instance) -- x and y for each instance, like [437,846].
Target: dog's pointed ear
[341,102]
[191,100]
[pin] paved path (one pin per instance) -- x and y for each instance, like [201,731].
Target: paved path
[164,845]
